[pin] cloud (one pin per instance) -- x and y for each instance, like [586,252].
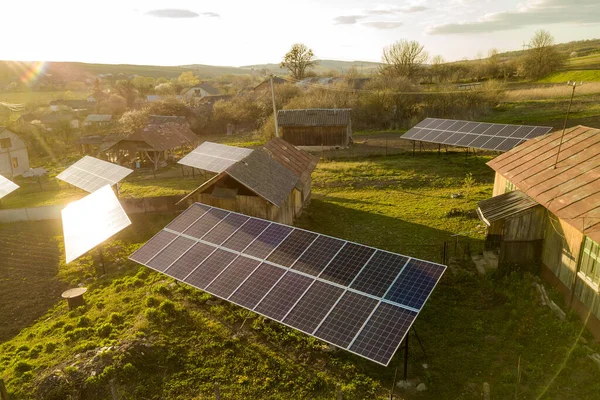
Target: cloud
[347,19]
[179,13]
[398,10]
[383,25]
[541,12]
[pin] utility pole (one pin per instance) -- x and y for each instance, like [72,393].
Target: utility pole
[274,108]
[574,84]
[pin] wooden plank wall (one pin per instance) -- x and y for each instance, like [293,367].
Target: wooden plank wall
[562,245]
[315,136]
[499,185]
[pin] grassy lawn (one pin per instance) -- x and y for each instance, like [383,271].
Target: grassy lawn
[591,61]
[591,75]
[158,340]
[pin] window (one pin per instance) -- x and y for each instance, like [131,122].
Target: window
[590,260]
[5,143]
[15,162]
[509,187]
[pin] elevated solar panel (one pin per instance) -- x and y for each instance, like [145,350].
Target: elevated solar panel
[7,186]
[356,297]
[214,157]
[482,135]
[91,174]
[95,218]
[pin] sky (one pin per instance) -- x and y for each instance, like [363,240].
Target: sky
[242,32]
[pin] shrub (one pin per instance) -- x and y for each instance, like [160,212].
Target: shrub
[104,330]
[152,301]
[83,322]
[50,347]
[116,319]
[21,367]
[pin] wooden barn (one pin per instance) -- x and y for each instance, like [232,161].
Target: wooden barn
[548,213]
[155,142]
[273,182]
[316,127]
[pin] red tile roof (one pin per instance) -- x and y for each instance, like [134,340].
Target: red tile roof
[571,191]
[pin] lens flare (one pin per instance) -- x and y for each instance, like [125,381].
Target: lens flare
[33,72]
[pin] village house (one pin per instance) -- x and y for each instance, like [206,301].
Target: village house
[199,91]
[316,127]
[98,120]
[59,119]
[546,211]
[14,159]
[265,85]
[273,182]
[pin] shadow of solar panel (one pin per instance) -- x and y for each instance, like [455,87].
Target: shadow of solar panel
[268,240]
[232,276]
[509,144]
[283,296]
[318,255]
[189,261]
[292,247]
[153,246]
[210,268]
[207,222]
[346,319]
[468,127]
[257,285]
[347,264]
[415,283]
[379,273]
[481,129]
[313,306]
[246,234]
[170,253]
[381,337]
[466,140]
[226,228]
[522,132]
[187,218]
[453,138]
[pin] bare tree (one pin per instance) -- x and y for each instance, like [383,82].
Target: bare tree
[438,70]
[298,59]
[404,58]
[542,58]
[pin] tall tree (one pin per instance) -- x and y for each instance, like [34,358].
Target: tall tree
[542,58]
[128,91]
[403,58]
[298,59]
[188,79]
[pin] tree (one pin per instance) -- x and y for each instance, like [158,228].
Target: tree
[144,84]
[404,58]
[542,58]
[128,91]
[188,79]
[438,69]
[298,59]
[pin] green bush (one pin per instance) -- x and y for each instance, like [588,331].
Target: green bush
[104,330]
[116,319]
[21,367]
[83,322]
[152,301]
[50,347]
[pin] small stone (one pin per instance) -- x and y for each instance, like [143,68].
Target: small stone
[404,384]
[421,387]
[425,366]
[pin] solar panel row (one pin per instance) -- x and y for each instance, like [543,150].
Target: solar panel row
[214,157]
[91,174]
[353,296]
[6,186]
[500,137]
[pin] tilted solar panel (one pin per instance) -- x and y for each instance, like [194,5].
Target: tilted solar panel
[482,135]
[91,174]
[214,157]
[353,296]
[7,186]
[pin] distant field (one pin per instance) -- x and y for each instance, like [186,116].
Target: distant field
[590,75]
[591,61]
[40,97]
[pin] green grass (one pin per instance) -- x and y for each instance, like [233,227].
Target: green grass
[173,342]
[591,75]
[591,61]
[40,97]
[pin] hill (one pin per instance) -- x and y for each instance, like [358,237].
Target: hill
[324,66]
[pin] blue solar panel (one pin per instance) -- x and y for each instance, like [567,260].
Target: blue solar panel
[352,296]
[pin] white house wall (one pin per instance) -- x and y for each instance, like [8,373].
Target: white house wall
[18,150]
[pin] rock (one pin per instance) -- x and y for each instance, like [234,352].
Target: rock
[404,384]
[421,387]
[425,366]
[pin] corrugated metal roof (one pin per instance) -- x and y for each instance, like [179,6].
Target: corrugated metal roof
[161,137]
[504,205]
[301,163]
[314,117]
[98,118]
[571,191]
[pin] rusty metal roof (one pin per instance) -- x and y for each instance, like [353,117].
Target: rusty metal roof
[314,117]
[504,206]
[571,191]
[165,136]
[299,162]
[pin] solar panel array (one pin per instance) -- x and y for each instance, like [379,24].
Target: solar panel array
[214,157]
[481,135]
[91,220]
[91,174]
[6,186]
[355,297]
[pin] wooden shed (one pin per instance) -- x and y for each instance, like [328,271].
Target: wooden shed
[273,182]
[566,217]
[316,127]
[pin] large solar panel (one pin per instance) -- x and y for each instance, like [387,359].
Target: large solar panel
[482,135]
[214,157]
[356,297]
[6,186]
[91,174]
[93,219]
